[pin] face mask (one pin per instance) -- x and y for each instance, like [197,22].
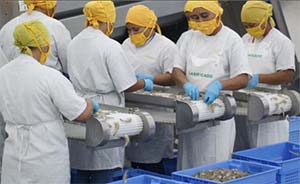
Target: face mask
[140,39]
[257,31]
[206,27]
[44,56]
[109,30]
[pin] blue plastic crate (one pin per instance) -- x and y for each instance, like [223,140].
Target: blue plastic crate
[147,179]
[131,172]
[294,132]
[137,172]
[284,155]
[259,174]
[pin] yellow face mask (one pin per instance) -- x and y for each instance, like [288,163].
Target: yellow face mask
[257,31]
[140,39]
[206,27]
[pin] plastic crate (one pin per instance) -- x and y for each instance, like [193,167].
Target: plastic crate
[137,172]
[294,132]
[259,173]
[131,172]
[284,155]
[147,179]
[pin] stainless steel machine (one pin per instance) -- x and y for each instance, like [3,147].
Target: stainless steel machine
[112,127]
[260,106]
[163,102]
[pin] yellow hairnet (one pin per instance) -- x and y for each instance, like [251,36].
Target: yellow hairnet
[141,15]
[256,12]
[31,34]
[45,4]
[103,11]
[212,6]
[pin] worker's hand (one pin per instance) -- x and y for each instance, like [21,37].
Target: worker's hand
[148,85]
[96,106]
[252,83]
[191,90]
[212,92]
[141,76]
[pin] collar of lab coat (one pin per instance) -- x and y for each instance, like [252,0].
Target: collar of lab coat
[36,14]
[27,58]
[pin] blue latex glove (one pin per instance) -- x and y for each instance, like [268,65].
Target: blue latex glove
[212,92]
[191,90]
[148,85]
[252,83]
[141,76]
[96,106]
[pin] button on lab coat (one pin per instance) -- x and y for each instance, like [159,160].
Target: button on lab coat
[33,99]
[59,36]
[99,69]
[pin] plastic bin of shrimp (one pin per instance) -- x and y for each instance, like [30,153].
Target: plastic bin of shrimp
[284,155]
[229,172]
[294,133]
[147,179]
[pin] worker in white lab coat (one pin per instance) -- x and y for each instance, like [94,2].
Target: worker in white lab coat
[271,56]
[99,69]
[213,58]
[42,10]
[152,55]
[33,99]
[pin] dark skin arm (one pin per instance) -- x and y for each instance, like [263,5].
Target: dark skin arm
[179,77]
[140,84]
[164,79]
[235,83]
[277,78]
[87,113]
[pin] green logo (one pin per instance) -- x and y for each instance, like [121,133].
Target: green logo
[200,74]
[255,55]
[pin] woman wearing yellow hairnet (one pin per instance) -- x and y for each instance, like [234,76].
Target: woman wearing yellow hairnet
[99,69]
[152,56]
[42,10]
[272,57]
[33,99]
[212,59]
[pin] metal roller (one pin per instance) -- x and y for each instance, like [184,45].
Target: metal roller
[260,105]
[111,125]
[160,103]
[190,113]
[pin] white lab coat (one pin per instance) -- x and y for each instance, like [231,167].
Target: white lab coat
[3,61]
[267,55]
[155,57]
[99,69]
[205,59]
[59,36]
[33,99]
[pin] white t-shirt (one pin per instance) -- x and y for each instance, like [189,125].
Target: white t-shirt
[226,43]
[157,56]
[59,36]
[98,64]
[270,54]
